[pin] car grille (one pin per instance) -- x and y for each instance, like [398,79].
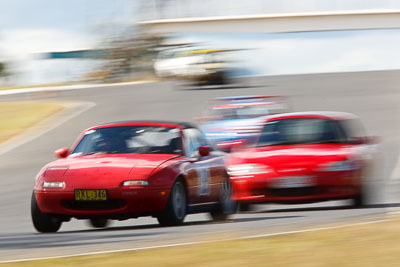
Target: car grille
[94,205]
[292,192]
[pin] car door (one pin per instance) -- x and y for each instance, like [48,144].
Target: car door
[205,173]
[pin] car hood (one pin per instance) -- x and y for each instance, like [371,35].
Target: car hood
[122,165]
[293,157]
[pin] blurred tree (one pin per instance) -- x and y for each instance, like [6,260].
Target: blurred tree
[4,74]
[2,69]
[129,55]
[132,56]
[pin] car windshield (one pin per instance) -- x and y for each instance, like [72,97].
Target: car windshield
[300,131]
[130,139]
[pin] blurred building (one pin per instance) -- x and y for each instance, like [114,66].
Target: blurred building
[63,66]
[173,9]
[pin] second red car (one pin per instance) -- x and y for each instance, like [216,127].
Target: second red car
[303,157]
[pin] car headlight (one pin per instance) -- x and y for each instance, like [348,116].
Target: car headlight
[246,169]
[135,183]
[340,166]
[53,184]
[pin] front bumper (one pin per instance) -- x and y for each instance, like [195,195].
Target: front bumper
[121,203]
[327,186]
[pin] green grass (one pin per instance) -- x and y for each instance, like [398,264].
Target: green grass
[365,245]
[17,117]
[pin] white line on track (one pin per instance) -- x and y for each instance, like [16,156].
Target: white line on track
[200,242]
[46,125]
[64,88]
[394,212]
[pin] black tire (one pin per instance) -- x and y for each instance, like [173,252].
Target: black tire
[358,201]
[43,222]
[226,205]
[245,207]
[175,211]
[98,223]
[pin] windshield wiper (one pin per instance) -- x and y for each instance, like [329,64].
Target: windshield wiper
[102,152]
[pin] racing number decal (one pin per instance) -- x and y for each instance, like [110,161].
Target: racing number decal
[204,177]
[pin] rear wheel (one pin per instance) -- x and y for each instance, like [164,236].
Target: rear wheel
[43,222]
[226,204]
[244,207]
[98,223]
[358,201]
[175,211]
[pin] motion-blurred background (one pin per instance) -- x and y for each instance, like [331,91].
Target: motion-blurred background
[58,42]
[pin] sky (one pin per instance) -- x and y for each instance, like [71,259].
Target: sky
[31,26]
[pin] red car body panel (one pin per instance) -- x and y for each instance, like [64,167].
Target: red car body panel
[294,161]
[109,171]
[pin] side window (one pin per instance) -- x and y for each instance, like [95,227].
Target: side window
[353,129]
[341,132]
[333,130]
[193,140]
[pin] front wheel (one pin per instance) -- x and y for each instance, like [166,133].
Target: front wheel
[175,211]
[226,205]
[98,223]
[245,207]
[43,222]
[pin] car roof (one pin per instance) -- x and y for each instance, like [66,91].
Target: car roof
[240,104]
[333,115]
[172,124]
[244,97]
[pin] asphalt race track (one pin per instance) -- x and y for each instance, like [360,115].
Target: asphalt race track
[374,96]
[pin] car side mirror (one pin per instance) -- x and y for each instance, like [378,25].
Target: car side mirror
[366,140]
[373,140]
[204,151]
[62,152]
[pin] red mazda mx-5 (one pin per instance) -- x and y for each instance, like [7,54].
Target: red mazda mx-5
[131,169]
[302,158]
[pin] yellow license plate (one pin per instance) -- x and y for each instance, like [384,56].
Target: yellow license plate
[90,194]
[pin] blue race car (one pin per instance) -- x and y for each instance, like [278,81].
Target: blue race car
[234,118]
